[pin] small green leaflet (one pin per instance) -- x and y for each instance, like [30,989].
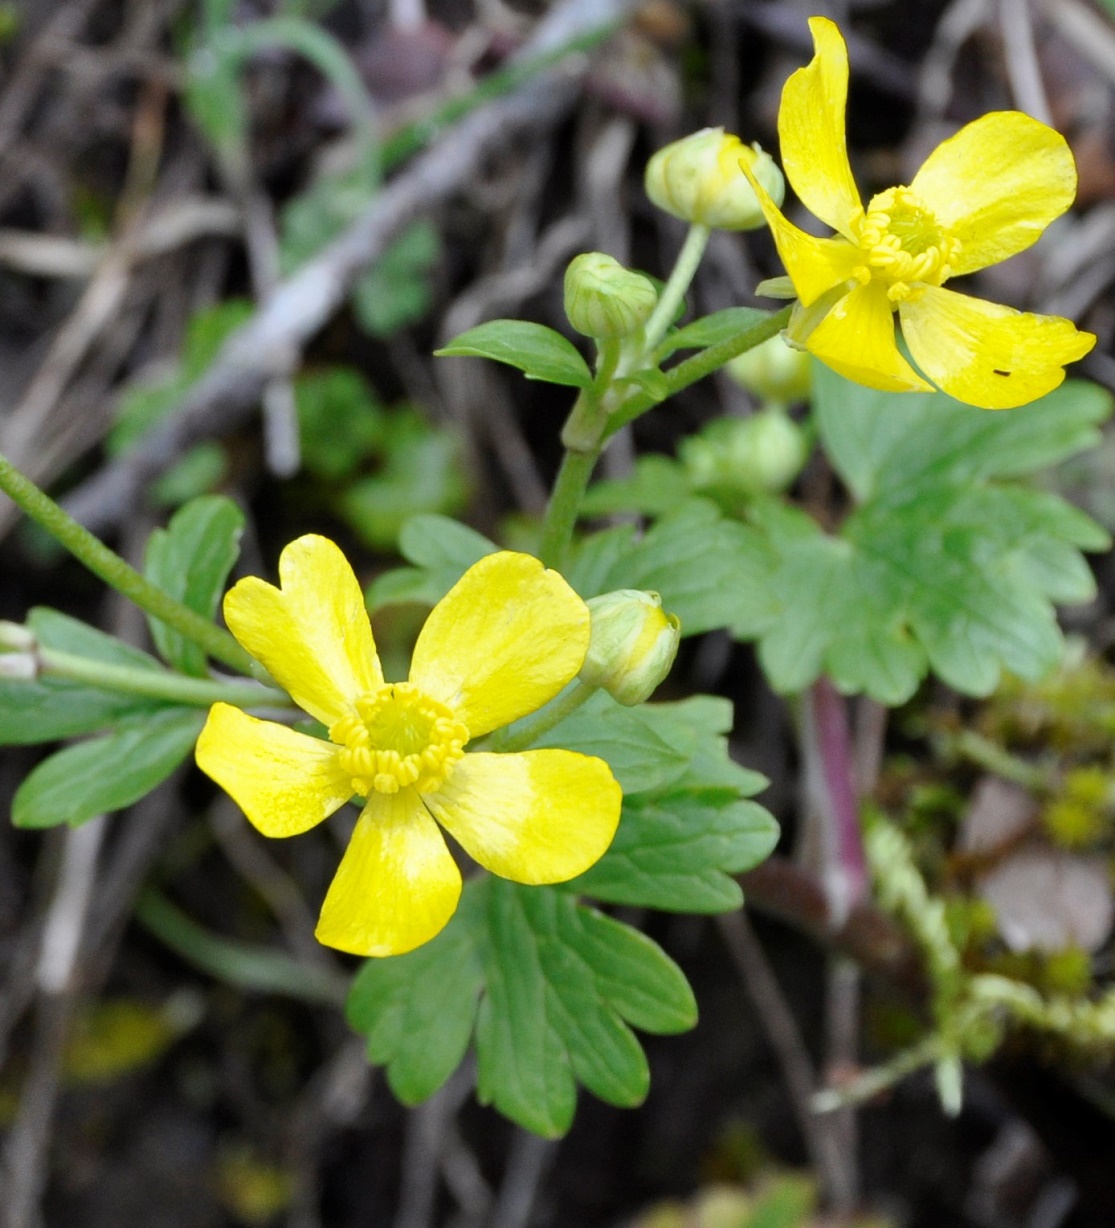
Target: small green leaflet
[552,987]
[941,566]
[539,352]
[190,559]
[106,773]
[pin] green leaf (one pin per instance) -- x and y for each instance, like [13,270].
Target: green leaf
[710,571]
[539,352]
[52,708]
[657,485]
[145,403]
[646,746]
[420,474]
[678,852]
[712,329]
[559,984]
[562,980]
[942,566]
[107,773]
[883,442]
[190,559]
[442,551]
[418,1010]
[340,420]
[396,290]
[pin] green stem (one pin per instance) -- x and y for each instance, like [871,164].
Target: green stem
[997,759]
[700,365]
[112,569]
[869,1084]
[565,504]
[679,281]
[526,732]
[159,683]
[237,963]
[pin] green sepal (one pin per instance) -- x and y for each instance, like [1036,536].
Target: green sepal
[190,559]
[539,352]
[106,773]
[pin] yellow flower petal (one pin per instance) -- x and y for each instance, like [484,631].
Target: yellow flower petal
[856,339]
[502,642]
[284,781]
[313,634]
[996,185]
[815,265]
[987,355]
[811,131]
[540,816]
[397,885]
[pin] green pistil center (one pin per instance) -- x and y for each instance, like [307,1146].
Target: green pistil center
[903,245]
[397,737]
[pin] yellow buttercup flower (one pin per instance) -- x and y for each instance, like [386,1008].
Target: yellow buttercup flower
[505,639]
[983,195]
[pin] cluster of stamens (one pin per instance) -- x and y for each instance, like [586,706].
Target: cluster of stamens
[904,245]
[397,737]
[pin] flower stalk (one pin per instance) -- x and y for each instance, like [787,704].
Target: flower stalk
[115,572]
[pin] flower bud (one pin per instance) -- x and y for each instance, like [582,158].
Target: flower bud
[738,458]
[633,644]
[16,636]
[775,372]
[19,666]
[698,179]
[605,300]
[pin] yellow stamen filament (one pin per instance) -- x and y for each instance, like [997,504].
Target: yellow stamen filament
[397,737]
[903,245]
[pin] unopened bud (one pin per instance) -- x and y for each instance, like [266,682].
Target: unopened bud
[17,637]
[633,644]
[698,179]
[775,372]
[743,457]
[19,666]
[605,300]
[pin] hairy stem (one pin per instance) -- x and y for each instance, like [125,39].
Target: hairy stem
[111,568]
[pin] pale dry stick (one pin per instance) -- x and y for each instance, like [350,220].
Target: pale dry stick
[34,63]
[465,1180]
[958,23]
[835,1169]
[335,1096]
[464,388]
[1088,32]
[259,869]
[424,1147]
[1016,23]
[530,1159]
[282,448]
[270,343]
[602,170]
